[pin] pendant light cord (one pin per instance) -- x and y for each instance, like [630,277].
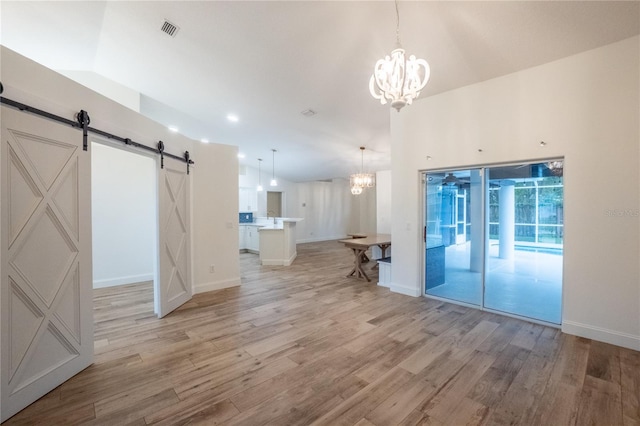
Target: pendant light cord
[273,164]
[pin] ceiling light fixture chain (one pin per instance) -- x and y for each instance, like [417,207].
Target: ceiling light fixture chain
[397,25]
[397,79]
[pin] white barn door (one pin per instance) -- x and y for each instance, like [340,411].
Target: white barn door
[174,276]
[46,280]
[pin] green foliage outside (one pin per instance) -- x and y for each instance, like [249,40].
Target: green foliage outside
[549,208]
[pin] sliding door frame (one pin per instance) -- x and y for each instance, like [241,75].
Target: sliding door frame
[422,174]
[423,215]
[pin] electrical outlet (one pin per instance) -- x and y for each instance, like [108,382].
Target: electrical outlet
[212,269]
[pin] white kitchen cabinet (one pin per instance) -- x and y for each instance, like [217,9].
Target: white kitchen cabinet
[253,238]
[242,233]
[247,200]
[249,238]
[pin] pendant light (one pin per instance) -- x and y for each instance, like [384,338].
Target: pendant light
[396,78]
[259,188]
[359,181]
[274,182]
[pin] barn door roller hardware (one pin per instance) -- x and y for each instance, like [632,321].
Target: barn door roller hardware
[82,121]
[187,159]
[161,151]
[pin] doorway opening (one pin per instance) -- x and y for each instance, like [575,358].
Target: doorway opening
[274,204]
[124,229]
[494,238]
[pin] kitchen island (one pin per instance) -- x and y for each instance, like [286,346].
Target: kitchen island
[278,241]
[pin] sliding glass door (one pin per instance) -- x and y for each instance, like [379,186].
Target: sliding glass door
[524,261]
[453,235]
[494,238]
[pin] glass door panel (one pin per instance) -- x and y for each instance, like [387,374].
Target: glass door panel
[453,235]
[525,230]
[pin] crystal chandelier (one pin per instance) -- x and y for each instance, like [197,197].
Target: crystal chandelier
[397,79]
[359,181]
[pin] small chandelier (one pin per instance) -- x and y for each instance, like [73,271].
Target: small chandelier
[274,182]
[397,79]
[259,188]
[359,181]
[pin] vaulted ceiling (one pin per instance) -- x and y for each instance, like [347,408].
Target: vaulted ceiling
[267,61]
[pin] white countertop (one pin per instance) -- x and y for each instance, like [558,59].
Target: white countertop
[264,224]
[279,219]
[290,219]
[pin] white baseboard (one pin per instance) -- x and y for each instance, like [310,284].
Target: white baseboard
[291,259]
[279,262]
[409,291]
[215,285]
[602,334]
[387,285]
[131,279]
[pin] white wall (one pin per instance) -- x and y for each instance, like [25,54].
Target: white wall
[123,215]
[586,108]
[109,88]
[328,208]
[383,202]
[214,176]
[215,217]
[248,178]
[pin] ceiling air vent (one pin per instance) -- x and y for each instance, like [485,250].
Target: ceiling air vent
[169,28]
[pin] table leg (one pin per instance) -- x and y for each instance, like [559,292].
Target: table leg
[353,271]
[357,265]
[384,248]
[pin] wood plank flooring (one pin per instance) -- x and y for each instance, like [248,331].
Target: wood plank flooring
[305,345]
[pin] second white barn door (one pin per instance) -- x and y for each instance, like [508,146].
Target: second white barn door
[173,220]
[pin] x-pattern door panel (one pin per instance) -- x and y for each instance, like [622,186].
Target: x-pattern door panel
[47,318]
[175,282]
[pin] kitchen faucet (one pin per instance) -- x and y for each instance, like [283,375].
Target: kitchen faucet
[274,217]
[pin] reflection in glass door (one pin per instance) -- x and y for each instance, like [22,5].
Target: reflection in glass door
[453,235]
[525,229]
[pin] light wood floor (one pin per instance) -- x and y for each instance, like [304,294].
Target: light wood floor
[304,344]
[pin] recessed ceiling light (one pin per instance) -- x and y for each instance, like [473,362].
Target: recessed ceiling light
[173,129]
[308,112]
[241,155]
[204,140]
[233,118]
